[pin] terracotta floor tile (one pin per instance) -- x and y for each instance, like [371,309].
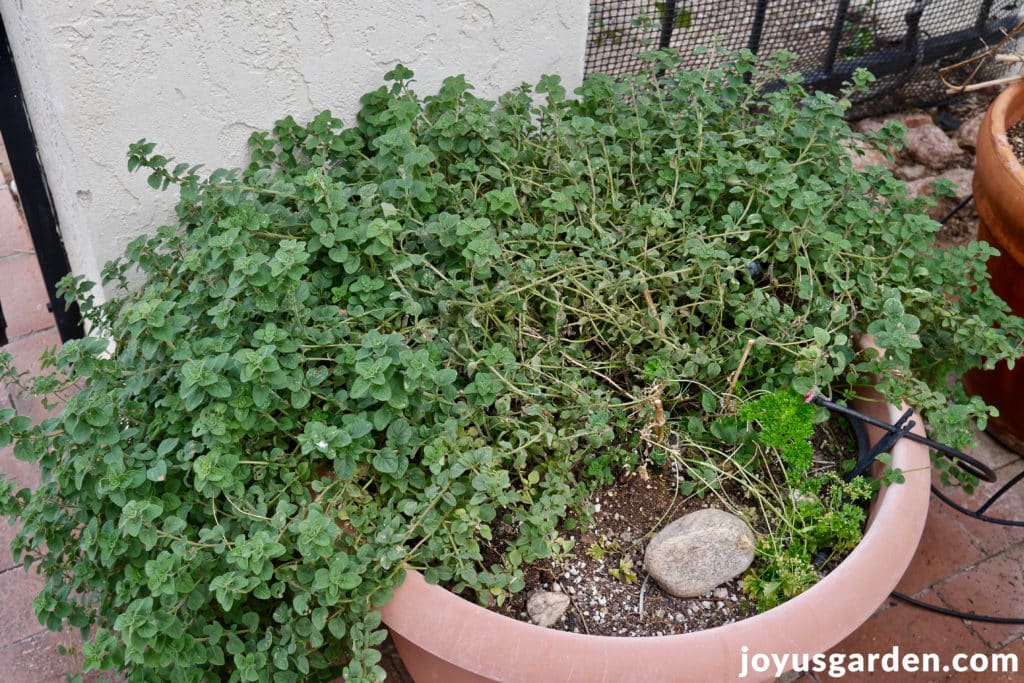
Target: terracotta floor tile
[18,589]
[994,587]
[7,532]
[25,474]
[991,452]
[1005,673]
[945,549]
[36,659]
[26,352]
[14,235]
[994,538]
[914,631]
[23,296]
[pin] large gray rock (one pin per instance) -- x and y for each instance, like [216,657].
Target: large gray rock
[546,607]
[699,551]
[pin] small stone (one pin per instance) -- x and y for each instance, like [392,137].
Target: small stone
[967,134]
[546,608]
[699,551]
[721,593]
[914,119]
[908,119]
[862,155]
[911,172]
[869,125]
[961,178]
[930,146]
[963,182]
[706,604]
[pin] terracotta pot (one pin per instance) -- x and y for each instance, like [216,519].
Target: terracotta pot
[999,196]
[444,638]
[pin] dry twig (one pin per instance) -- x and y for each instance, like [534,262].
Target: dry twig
[977,62]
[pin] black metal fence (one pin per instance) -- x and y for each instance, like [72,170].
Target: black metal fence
[903,42]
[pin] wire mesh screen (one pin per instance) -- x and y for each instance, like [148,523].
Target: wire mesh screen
[903,42]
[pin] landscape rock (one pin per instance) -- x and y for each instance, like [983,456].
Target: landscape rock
[869,125]
[911,172]
[699,551]
[914,119]
[962,179]
[863,155]
[930,146]
[909,119]
[546,607]
[967,134]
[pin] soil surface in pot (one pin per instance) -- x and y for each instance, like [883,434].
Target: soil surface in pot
[603,573]
[1015,133]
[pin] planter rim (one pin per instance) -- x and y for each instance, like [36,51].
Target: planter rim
[1006,110]
[496,647]
[1002,109]
[999,174]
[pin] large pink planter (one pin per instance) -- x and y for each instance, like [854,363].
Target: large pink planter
[444,638]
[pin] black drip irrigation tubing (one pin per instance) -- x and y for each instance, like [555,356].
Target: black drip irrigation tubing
[901,430]
[895,432]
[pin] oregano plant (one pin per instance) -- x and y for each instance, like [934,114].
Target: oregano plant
[380,345]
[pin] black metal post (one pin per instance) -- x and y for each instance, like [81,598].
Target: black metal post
[835,36]
[913,21]
[757,30]
[983,13]
[33,191]
[668,22]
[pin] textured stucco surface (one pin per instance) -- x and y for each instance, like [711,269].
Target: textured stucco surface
[198,77]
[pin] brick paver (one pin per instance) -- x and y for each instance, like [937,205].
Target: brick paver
[14,236]
[994,587]
[23,296]
[946,548]
[912,630]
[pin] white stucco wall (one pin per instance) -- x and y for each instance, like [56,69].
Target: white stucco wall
[198,76]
